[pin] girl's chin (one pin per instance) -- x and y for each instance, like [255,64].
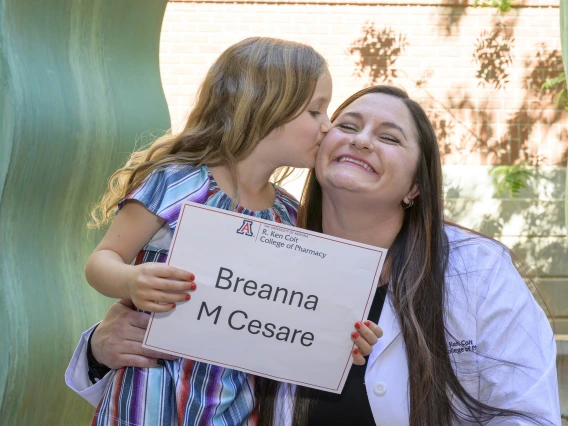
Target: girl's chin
[308,162]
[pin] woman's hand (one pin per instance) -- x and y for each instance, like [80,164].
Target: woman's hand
[150,283]
[366,335]
[117,341]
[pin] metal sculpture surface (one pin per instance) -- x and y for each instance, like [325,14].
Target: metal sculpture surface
[79,84]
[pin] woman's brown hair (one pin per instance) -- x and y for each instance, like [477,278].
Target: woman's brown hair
[254,87]
[418,259]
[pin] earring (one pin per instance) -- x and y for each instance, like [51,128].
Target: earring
[407,206]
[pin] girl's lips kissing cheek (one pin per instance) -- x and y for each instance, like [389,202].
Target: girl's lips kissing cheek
[355,162]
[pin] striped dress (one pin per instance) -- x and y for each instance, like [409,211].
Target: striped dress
[183,392]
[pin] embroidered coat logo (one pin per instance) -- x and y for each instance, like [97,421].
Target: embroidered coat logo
[459,347]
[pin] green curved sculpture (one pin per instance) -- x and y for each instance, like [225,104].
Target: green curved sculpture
[564,43]
[79,83]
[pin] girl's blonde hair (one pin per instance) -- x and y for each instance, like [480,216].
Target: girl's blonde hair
[253,88]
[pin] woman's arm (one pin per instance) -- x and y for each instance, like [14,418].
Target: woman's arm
[109,271]
[116,343]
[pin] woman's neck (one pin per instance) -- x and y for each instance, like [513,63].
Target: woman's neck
[354,221]
[365,224]
[255,191]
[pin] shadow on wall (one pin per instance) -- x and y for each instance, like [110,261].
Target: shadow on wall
[465,127]
[536,109]
[378,51]
[451,15]
[493,54]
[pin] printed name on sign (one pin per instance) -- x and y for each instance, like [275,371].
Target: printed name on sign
[237,321]
[265,291]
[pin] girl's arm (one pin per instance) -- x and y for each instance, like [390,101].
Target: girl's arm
[109,270]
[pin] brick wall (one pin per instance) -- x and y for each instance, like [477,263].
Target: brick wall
[477,72]
[479,75]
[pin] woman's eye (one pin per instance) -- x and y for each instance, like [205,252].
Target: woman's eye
[315,113]
[347,127]
[390,138]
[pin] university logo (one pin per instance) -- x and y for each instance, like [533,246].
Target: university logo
[246,228]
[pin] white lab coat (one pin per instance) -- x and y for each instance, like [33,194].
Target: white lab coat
[490,315]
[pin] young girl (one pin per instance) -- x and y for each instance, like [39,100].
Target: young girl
[261,108]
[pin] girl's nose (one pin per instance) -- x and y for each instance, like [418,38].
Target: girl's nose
[326,125]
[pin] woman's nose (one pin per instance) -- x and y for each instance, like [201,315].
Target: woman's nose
[360,141]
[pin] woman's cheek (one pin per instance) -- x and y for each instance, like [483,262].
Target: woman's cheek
[333,140]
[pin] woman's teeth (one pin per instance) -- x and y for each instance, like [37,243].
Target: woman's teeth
[359,163]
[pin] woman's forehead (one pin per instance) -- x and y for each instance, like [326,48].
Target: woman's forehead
[379,104]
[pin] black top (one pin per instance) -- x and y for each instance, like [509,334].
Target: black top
[351,407]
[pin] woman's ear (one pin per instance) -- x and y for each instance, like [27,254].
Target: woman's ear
[414,191]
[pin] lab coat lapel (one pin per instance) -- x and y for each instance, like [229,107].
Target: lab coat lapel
[391,329]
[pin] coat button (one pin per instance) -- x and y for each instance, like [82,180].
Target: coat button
[380,389]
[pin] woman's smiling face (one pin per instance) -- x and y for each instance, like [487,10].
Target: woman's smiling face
[371,150]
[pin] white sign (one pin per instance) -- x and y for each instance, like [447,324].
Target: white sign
[272,300]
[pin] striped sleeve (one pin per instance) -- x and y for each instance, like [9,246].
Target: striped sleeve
[166,188]
[290,204]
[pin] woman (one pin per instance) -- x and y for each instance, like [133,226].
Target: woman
[464,340]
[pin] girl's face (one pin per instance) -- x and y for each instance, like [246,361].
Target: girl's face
[372,151]
[296,143]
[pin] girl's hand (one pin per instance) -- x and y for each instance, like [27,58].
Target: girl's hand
[366,335]
[152,282]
